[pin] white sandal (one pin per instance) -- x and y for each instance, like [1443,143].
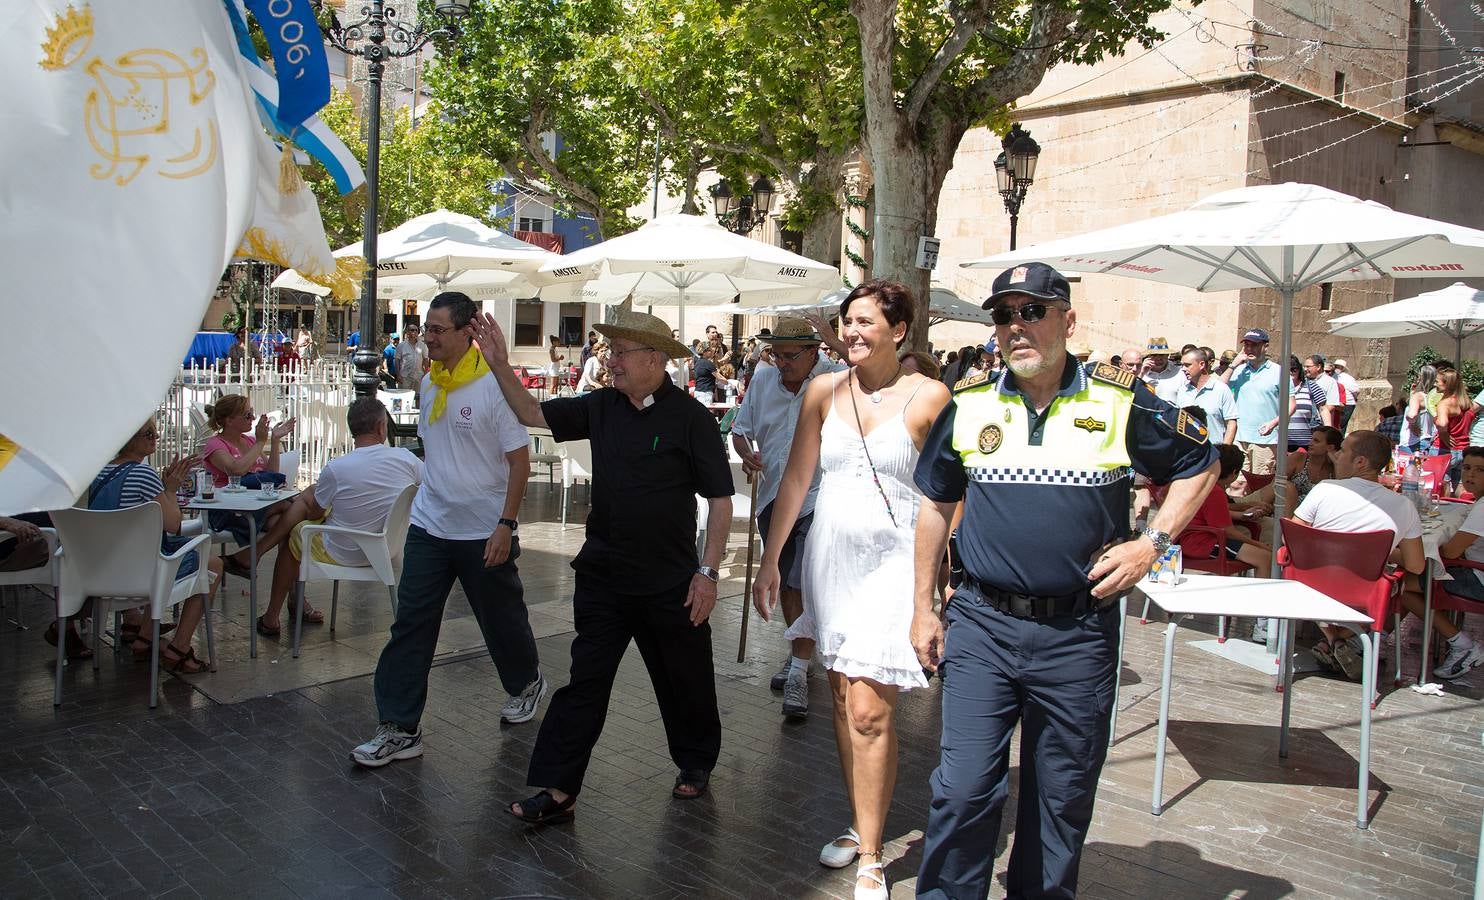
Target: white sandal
[835,856]
[871,872]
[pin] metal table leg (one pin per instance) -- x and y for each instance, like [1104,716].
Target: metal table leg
[252,585]
[1285,669]
[1370,642]
[1423,677]
[1157,802]
[1117,665]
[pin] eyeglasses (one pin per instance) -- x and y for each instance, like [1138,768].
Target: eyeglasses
[149,435]
[438,330]
[797,354]
[620,353]
[1028,312]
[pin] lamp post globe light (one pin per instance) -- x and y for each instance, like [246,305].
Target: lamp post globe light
[1015,171]
[378,35]
[740,215]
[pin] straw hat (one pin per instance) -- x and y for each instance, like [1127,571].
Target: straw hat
[790,330]
[649,331]
[1157,345]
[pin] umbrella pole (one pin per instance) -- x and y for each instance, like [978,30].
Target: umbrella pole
[747,578]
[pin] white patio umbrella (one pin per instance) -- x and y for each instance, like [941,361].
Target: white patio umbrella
[1456,311]
[1284,236]
[441,251]
[685,260]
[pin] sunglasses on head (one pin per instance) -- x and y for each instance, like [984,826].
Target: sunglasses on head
[1028,312]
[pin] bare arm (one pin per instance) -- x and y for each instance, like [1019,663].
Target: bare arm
[933,521]
[491,341]
[1411,555]
[803,459]
[497,548]
[1457,545]
[830,336]
[1231,432]
[1124,564]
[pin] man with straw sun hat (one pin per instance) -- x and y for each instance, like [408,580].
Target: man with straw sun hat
[762,434]
[654,448]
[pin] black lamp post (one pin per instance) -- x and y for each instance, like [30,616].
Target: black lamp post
[377,36]
[1014,171]
[740,215]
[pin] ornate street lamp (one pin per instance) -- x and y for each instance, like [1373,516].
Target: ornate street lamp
[1015,171]
[740,215]
[378,35]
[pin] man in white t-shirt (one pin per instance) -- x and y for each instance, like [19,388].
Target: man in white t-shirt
[356,490]
[1353,501]
[463,527]
[1349,390]
[1464,654]
[769,413]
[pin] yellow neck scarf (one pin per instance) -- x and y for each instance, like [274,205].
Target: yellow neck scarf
[471,367]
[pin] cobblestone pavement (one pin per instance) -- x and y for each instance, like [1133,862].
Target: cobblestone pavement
[239,783]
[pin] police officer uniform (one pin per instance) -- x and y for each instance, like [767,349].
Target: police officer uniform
[1044,494]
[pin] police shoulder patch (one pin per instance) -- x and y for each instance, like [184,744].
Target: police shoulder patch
[973,381]
[1112,375]
[1190,428]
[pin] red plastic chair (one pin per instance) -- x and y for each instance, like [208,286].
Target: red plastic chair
[1350,568]
[1435,469]
[1223,564]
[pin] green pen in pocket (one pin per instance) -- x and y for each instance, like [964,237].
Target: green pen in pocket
[656,444]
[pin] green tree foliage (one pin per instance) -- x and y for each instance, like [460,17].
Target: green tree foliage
[421,170]
[1473,373]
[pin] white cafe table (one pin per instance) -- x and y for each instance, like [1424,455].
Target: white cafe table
[1436,531]
[1260,598]
[244,503]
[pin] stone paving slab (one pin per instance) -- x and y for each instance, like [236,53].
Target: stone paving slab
[257,798]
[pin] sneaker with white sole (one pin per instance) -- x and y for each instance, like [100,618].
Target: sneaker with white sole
[796,696]
[780,677]
[1459,662]
[390,743]
[1260,631]
[522,707]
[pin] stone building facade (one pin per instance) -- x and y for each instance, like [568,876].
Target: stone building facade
[1243,92]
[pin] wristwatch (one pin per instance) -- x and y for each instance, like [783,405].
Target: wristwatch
[709,573]
[510,523]
[1160,539]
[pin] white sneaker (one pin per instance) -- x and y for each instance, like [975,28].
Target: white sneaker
[1458,662]
[522,707]
[835,856]
[390,743]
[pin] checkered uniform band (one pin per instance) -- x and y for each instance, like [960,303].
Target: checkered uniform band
[1036,475]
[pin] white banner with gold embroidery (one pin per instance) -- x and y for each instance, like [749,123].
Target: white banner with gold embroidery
[130,152]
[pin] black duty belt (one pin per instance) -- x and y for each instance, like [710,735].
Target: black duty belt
[1031,606]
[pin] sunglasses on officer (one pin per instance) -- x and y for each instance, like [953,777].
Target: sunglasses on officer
[1028,312]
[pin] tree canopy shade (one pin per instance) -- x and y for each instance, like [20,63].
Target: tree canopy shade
[421,170]
[932,71]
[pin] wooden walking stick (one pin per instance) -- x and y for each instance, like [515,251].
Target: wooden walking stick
[747,578]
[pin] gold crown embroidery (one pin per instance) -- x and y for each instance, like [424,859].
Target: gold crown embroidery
[127,113]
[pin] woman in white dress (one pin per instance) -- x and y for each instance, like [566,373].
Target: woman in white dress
[863,428]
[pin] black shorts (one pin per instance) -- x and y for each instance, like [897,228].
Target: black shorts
[791,560]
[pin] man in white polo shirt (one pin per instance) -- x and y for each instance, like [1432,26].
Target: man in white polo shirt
[769,412]
[463,527]
[1349,390]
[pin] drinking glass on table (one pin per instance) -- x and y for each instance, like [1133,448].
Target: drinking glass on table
[234,483]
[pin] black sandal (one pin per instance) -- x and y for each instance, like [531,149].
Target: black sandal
[177,665]
[696,779]
[76,647]
[131,633]
[544,809]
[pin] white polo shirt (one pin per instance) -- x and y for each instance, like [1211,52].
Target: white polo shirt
[1351,386]
[466,476]
[769,415]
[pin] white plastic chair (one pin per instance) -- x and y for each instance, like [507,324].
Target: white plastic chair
[114,557]
[741,505]
[45,573]
[382,549]
[288,464]
[577,462]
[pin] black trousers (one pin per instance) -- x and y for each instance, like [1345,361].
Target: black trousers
[678,656]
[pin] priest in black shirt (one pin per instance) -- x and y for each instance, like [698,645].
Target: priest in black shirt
[638,578]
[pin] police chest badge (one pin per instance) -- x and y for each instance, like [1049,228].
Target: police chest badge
[990,438]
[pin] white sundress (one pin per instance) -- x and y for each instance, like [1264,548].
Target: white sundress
[858,565]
